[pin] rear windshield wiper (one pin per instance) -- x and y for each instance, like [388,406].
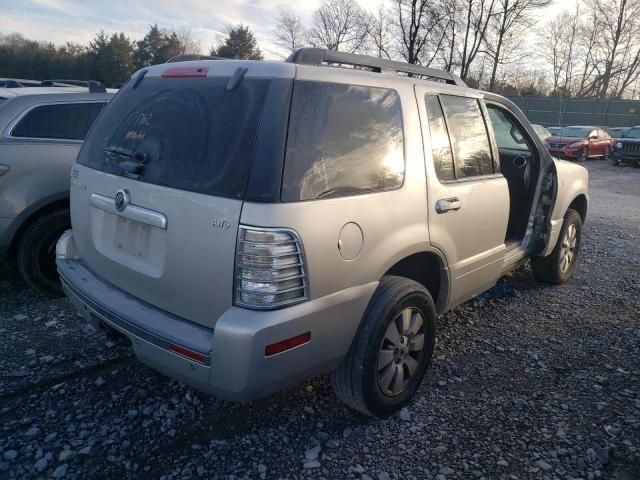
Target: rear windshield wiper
[135,166]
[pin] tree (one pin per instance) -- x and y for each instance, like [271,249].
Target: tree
[289,32]
[111,58]
[239,44]
[476,15]
[340,25]
[157,46]
[417,21]
[512,14]
[381,33]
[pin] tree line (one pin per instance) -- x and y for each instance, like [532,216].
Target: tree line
[498,45]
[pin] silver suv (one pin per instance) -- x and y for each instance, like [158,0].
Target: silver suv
[251,224]
[41,130]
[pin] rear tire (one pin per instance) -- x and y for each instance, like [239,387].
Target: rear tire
[391,351]
[37,252]
[560,265]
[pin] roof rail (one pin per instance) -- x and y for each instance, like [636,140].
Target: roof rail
[92,85]
[320,56]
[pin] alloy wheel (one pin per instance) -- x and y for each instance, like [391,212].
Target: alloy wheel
[568,247]
[401,351]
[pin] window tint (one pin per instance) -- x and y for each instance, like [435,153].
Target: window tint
[471,149]
[508,132]
[63,121]
[192,133]
[440,144]
[342,140]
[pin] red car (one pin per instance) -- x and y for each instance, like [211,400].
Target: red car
[579,143]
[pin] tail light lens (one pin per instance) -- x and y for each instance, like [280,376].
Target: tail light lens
[270,269]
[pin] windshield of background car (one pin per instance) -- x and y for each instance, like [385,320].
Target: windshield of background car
[633,133]
[574,132]
[189,133]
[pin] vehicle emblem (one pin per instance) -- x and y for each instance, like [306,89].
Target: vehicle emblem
[121,200]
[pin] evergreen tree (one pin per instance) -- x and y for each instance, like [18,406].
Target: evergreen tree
[239,44]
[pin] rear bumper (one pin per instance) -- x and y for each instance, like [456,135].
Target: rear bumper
[234,366]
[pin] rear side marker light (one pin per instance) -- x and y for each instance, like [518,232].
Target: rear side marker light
[185,72]
[185,352]
[288,344]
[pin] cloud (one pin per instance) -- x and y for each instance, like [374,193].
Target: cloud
[61,21]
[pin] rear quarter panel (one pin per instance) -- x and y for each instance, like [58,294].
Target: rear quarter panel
[38,174]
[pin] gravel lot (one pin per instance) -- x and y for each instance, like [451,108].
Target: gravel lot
[542,383]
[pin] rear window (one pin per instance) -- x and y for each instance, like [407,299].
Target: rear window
[343,140]
[62,121]
[189,133]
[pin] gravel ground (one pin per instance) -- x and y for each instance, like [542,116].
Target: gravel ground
[542,383]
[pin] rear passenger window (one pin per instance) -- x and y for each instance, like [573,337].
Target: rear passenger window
[342,140]
[468,132]
[64,121]
[440,144]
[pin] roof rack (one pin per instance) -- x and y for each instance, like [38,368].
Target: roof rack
[320,56]
[94,87]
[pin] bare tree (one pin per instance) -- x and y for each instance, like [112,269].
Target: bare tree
[289,31]
[189,45]
[419,22]
[557,40]
[620,40]
[381,32]
[511,15]
[339,25]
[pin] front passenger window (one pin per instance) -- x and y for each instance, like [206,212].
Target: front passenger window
[508,133]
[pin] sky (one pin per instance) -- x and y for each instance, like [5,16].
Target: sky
[60,21]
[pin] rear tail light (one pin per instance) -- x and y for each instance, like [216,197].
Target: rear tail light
[270,269]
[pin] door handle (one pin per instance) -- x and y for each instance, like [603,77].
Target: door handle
[445,204]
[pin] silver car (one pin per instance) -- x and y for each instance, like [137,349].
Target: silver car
[41,130]
[247,225]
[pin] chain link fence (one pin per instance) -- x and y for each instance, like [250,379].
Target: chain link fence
[558,112]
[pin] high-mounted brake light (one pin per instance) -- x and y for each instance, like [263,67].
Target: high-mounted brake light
[288,344]
[270,268]
[185,72]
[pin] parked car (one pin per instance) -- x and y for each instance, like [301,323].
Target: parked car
[579,143]
[626,150]
[617,132]
[41,130]
[542,132]
[554,130]
[248,224]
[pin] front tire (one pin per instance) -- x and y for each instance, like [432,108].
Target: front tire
[584,156]
[37,252]
[560,265]
[391,351]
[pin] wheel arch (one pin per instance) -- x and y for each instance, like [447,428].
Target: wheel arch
[429,269]
[28,217]
[579,204]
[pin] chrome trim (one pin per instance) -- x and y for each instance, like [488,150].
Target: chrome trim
[132,212]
